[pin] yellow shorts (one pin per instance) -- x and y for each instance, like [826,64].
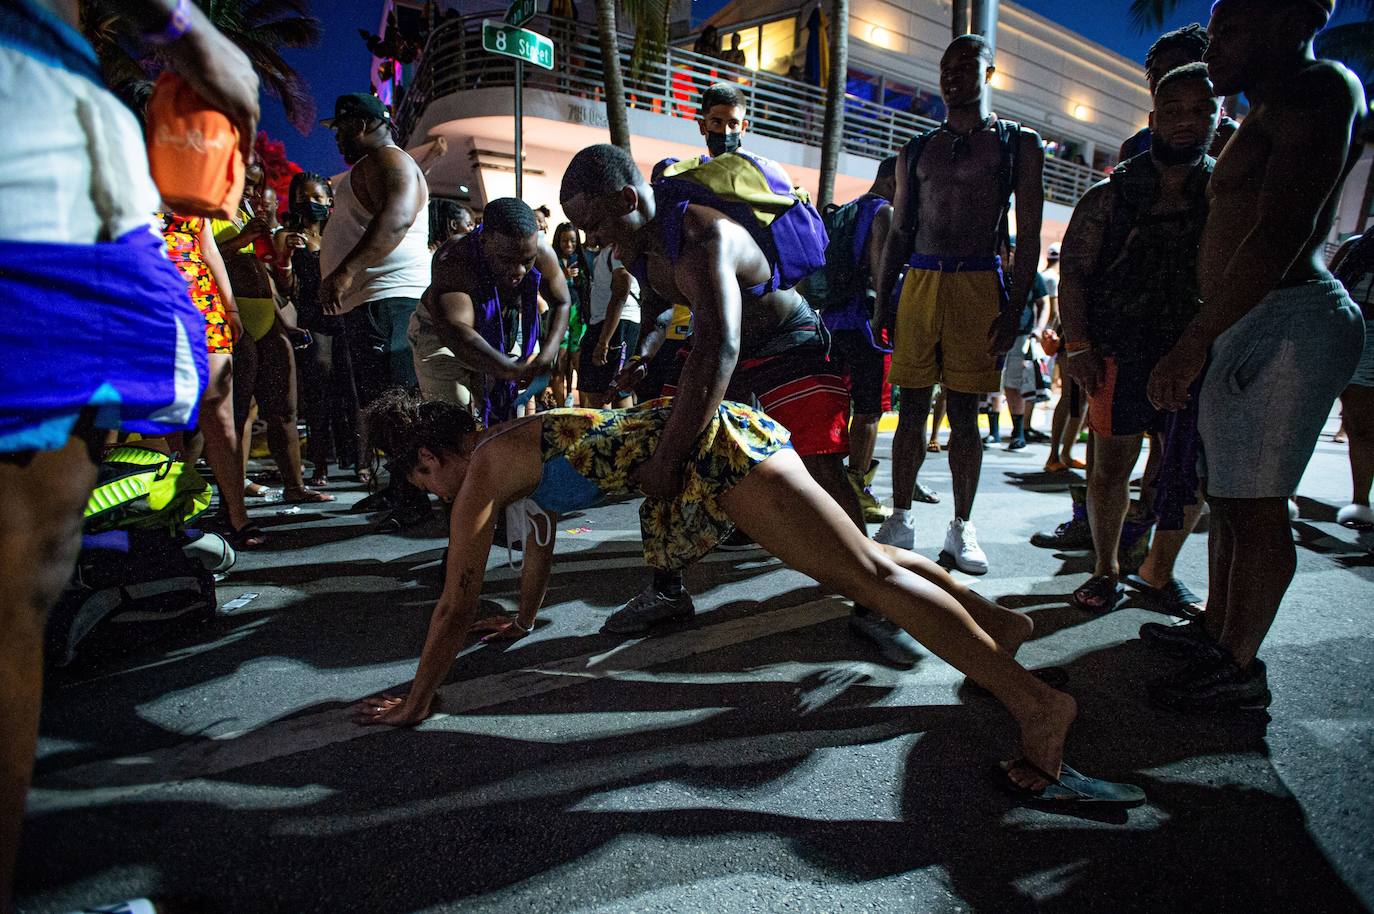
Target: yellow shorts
[942,331]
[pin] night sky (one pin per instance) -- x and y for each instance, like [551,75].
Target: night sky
[339,63]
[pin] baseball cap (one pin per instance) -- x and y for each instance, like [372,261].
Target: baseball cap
[357,104]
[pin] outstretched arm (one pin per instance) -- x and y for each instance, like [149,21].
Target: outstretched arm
[455,325]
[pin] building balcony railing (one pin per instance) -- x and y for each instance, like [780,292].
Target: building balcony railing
[782,108]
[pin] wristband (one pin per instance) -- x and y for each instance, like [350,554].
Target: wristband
[178,24]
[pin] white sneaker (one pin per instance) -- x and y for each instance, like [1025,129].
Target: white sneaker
[899,530]
[962,549]
[1359,517]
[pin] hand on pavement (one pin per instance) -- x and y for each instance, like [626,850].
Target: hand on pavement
[390,710]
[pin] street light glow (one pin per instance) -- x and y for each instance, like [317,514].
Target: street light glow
[1081,112]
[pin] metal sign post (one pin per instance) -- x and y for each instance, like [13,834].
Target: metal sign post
[509,40]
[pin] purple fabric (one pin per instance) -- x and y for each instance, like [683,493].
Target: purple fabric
[1177,484]
[498,397]
[109,326]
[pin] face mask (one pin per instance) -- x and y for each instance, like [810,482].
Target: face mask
[721,143]
[312,211]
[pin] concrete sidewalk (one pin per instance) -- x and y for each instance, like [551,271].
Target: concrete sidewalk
[759,758]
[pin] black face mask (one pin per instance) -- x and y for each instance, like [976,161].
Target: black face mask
[311,211]
[721,143]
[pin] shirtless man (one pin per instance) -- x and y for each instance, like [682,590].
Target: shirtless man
[756,344]
[1284,338]
[374,260]
[461,331]
[954,320]
[55,201]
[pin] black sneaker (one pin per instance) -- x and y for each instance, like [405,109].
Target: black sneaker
[1016,444]
[648,608]
[1215,686]
[1072,534]
[1188,638]
[893,643]
[737,541]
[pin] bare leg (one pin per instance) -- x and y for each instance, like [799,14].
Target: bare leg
[1357,405]
[1221,548]
[863,438]
[1158,567]
[937,416]
[818,542]
[1058,425]
[276,394]
[908,444]
[1114,456]
[559,382]
[223,447]
[41,500]
[965,450]
[1261,568]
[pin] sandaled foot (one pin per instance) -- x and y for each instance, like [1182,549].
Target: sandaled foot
[1055,466]
[934,447]
[1101,593]
[925,495]
[304,496]
[248,537]
[1174,597]
[1028,782]
[319,481]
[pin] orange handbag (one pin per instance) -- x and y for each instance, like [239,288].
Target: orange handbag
[193,152]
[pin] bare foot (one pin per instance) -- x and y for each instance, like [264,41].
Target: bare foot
[298,496]
[1043,733]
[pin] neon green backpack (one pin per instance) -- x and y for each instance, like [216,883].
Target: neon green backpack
[138,488]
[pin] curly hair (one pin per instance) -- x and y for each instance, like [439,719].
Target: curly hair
[399,423]
[1191,40]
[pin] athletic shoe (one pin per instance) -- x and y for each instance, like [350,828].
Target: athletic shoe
[962,549]
[1016,444]
[899,531]
[648,608]
[896,646]
[1215,685]
[737,541]
[874,511]
[1357,517]
[1188,638]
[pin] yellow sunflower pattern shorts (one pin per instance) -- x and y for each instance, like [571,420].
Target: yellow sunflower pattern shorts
[607,446]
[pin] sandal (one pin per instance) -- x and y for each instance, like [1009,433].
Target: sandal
[934,447]
[1055,466]
[248,537]
[1174,597]
[1069,789]
[925,495]
[1076,464]
[319,480]
[304,496]
[1101,593]
[256,490]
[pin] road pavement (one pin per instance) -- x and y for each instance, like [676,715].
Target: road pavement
[759,758]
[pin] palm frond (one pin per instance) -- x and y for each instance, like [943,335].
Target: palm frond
[649,19]
[1149,15]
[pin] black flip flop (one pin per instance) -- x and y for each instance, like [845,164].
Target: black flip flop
[1109,592]
[1071,788]
[1174,597]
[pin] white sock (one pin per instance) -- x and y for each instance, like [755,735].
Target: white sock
[900,514]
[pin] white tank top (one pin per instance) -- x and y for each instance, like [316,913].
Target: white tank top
[403,273]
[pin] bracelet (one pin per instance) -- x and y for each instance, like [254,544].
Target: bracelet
[516,623]
[635,358]
[178,24]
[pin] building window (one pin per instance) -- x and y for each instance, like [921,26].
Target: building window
[777,44]
[863,85]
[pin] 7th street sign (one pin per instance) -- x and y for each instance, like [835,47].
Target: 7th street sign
[522,44]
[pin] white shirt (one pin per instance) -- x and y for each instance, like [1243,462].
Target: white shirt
[603,268]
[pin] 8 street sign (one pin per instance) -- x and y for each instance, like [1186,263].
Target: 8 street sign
[522,44]
[521,11]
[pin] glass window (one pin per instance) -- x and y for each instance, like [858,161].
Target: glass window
[748,43]
[779,41]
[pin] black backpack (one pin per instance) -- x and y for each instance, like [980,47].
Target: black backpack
[836,284]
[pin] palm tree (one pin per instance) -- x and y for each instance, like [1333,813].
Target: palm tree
[832,136]
[617,120]
[261,29]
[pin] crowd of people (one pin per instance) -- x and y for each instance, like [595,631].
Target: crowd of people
[658,344]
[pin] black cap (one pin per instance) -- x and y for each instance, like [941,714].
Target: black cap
[357,104]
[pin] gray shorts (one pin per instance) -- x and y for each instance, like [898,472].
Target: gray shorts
[1269,388]
[1016,371]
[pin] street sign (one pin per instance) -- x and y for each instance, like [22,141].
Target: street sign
[521,11]
[522,44]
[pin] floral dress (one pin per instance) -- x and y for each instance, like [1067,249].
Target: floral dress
[605,446]
[182,236]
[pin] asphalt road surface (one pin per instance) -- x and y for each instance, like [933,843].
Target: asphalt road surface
[759,758]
